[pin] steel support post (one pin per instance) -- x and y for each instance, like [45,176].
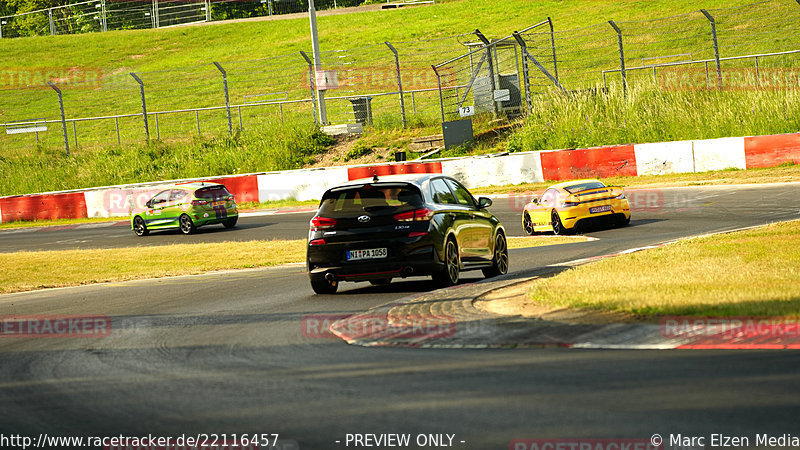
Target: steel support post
[553,45]
[63,118]
[716,45]
[399,81]
[621,58]
[311,83]
[441,98]
[490,61]
[144,106]
[227,99]
[525,74]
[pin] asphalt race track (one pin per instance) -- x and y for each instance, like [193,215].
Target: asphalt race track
[226,352]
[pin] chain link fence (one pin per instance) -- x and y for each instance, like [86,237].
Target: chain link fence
[755,46]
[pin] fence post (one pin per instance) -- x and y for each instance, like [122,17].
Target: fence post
[526,81]
[399,81]
[144,106]
[716,46]
[490,61]
[52,23]
[63,119]
[270,6]
[227,100]
[553,45]
[621,58]
[311,83]
[439,83]
[156,21]
[103,21]
[208,10]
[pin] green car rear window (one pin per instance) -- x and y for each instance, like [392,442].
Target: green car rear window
[212,193]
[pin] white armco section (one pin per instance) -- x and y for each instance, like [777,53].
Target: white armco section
[117,202]
[305,184]
[478,171]
[719,154]
[664,157]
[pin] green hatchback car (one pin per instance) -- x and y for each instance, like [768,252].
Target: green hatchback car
[186,206]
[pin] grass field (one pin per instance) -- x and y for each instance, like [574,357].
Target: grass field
[747,273]
[175,64]
[25,271]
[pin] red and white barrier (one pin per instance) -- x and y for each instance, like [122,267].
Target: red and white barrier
[474,171]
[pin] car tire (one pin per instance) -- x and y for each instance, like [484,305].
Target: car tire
[449,274]
[140,227]
[186,224]
[527,224]
[380,282]
[500,258]
[624,221]
[558,226]
[230,223]
[322,286]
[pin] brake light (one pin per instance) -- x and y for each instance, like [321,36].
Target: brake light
[199,202]
[322,223]
[317,242]
[417,233]
[417,215]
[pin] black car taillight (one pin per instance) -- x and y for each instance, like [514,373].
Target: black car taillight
[417,215]
[199,202]
[316,242]
[322,223]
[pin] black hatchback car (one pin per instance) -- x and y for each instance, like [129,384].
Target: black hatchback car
[399,226]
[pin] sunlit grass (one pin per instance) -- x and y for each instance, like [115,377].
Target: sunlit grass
[751,273]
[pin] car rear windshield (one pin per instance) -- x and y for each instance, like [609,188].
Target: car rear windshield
[212,193]
[585,186]
[380,199]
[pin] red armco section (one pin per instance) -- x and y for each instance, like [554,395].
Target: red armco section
[773,150]
[244,188]
[354,173]
[601,162]
[41,207]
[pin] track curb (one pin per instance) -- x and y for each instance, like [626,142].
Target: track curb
[403,323]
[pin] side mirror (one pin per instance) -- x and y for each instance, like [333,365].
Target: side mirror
[484,202]
[149,204]
[535,200]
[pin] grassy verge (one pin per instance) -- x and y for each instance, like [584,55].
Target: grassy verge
[747,273]
[25,271]
[60,222]
[783,173]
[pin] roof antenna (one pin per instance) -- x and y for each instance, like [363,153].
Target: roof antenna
[375,178]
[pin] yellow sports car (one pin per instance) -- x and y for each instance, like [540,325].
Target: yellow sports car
[565,207]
